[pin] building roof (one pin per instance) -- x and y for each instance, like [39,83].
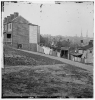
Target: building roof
[64,48]
[11,17]
[76,54]
[14,16]
[33,24]
[86,47]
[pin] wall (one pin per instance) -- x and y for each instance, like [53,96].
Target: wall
[78,59]
[9,27]
[53,53]
[73,58]
[58,54]
[80,51]
[89,57]
[33,34]
[40,49]
[46,50]
[38,34]
[30,47]
[7,30]
[5,37]
[20,33]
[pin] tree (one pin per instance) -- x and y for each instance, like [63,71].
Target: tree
[42,40]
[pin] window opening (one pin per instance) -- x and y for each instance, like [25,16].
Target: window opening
[8,35]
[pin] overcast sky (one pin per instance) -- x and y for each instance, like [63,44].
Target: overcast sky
[67,18]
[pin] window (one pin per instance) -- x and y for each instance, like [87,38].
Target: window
[90,51]
[8,35]
[10,27]
[5,27]
[19,46]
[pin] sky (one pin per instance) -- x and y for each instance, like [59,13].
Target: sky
[66,19]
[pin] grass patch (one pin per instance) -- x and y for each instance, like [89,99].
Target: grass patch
[33,82]
[49,82]
[16,57]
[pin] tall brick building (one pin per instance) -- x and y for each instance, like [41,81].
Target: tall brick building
[19,33]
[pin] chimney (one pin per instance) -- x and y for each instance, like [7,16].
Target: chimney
[68,40]
[81,42]
[5,19]
[91,42]
[12,16]
[8,19]
[16,14]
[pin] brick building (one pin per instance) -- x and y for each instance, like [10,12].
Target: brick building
[19,33]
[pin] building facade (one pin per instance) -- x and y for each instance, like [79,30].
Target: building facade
[64,53]
[19,33]
[84,54]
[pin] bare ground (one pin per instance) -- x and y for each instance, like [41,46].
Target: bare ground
[44,78]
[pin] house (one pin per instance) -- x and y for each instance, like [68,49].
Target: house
[84,54]
[40,49]
[58,54]
[64,53]
[46,50]
[76,56]
[53,52]
[20,33]
[87,50]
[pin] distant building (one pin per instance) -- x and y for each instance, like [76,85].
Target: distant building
[20,33]
[64,53]
[84,54]
[53,52]
[76,56]
[87,51]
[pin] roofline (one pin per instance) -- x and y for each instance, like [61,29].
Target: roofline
[25,19]
[84,48]
[12,20]
[33,24]
[15,18]
[20,16]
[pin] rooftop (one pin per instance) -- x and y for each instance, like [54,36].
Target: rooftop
[13,17]
[86,47]
[64,48]
[76,54]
